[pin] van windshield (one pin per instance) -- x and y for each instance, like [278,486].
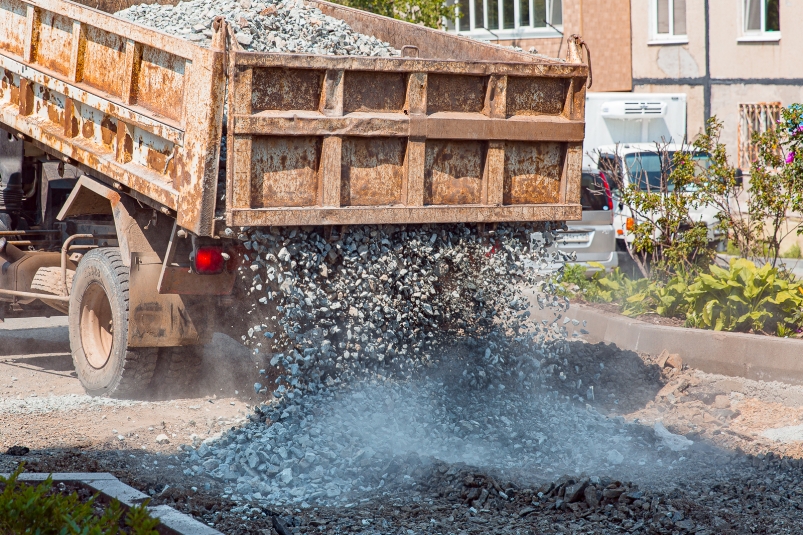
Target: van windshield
[645,168]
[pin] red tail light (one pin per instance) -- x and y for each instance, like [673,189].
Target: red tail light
[607,191]
[209,260]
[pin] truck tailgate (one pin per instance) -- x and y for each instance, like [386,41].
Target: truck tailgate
[321,140]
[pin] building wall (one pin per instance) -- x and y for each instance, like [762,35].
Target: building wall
[738,72]
[605,27]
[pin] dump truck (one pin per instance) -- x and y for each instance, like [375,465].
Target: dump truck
[111,172]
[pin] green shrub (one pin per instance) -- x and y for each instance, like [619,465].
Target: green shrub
[739,298]
[39,510]
[743,297]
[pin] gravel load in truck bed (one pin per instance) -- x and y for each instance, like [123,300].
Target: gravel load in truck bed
[265,26]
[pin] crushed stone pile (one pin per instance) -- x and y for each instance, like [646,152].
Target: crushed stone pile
[380,438]
[265,26]
[382,314]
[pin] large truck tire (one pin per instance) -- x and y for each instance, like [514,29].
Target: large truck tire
[98,327]
[177,370]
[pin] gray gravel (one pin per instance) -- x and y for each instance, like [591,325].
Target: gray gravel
[265,26]
[36,404]
[397,346]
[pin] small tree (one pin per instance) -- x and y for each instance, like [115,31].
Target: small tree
[661,190]
[776,184]
[723,188]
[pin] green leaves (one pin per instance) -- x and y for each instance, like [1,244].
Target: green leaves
[741,298]
[41,510]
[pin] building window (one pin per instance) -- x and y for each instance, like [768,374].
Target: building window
[669,20]
[508,19]
[754,119]
[762,20]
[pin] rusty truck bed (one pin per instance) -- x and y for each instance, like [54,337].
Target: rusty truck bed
[464,132]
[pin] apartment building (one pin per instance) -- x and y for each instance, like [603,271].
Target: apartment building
[738,60]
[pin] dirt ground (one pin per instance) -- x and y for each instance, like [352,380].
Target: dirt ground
[42,407]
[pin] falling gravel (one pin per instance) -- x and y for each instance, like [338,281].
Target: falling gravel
[397,346]
[399,350]
[289,26]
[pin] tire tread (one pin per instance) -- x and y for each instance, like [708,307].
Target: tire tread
[139,364]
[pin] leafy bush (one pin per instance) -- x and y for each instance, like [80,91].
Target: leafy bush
[776,180]
[28,509]
[743,297]
[740,298]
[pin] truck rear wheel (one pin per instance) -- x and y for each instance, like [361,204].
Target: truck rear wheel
[98,327]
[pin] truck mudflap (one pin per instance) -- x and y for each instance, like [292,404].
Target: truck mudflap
[164,320]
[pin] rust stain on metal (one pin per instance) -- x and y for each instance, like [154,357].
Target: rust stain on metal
[108,130]
[159,162]
[286,89]
[103,61]
[456,93]
[284,171]
[536,96]
[374,91]
[88,129]
[160,82]
[533,172]
[372,171]
[13,15]
[453,172]
[53,45]
[114,198]
[55,114]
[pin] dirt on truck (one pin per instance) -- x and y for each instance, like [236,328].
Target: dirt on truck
[128,155]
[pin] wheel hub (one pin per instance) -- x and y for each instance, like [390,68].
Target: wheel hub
[97,327]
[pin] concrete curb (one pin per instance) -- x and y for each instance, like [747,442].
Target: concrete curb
[172,522]
[751,356]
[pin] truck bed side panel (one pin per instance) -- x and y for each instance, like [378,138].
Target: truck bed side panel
[130,105]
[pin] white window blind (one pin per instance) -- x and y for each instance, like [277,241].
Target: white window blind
[669,19]
[504,19]
[761,16]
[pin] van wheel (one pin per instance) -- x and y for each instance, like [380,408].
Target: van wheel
[98,327]
[177,370]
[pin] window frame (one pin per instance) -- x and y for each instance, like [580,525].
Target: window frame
[754,118]
[666,38]
[761,35]
[478,31]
